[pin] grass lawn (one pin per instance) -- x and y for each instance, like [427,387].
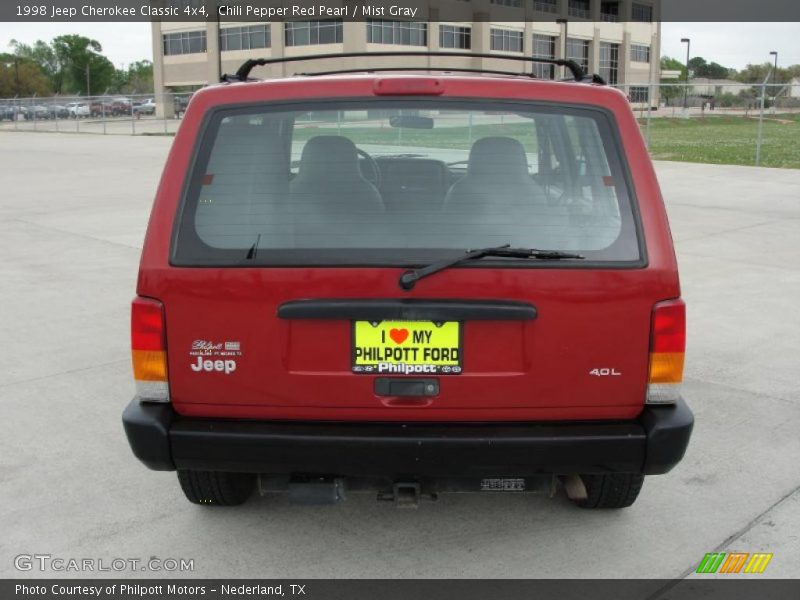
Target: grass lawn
[728,140]
[452,138]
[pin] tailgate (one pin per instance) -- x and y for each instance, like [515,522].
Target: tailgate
[560,351]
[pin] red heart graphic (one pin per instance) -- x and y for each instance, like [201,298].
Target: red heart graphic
[398,335]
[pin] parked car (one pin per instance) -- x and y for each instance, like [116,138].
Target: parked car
[148,107]
[411,284]
[121,106]
[37,112]
[58,111]
[9,113]
[78,110]
[102,108]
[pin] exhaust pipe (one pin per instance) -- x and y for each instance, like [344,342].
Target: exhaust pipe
[574,486]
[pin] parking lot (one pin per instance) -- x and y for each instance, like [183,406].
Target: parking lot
[73,210]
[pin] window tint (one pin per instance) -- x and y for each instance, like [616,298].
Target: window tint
[642,13]
[640,53]
[244,38]
[455,36]
[639,94]
[579,9]
[609,62]
[308,33]
[401,33]
[548,6]
[505,40]
[544,46]
[403,182]
[184,42]
[578,50]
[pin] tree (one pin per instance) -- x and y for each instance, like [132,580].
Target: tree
[673,64]
[86,70]
[754,73]
[43,55]
[69,64]
[672,88]
[21,77]
[701,68]
[696,64]
[136,79]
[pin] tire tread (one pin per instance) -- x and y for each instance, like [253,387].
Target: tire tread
[210,488]
[611,490]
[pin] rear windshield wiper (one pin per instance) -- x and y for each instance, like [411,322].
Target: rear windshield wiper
[409,278]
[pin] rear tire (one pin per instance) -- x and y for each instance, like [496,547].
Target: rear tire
[212,488]
[611,490]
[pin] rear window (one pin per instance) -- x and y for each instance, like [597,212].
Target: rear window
[399,183]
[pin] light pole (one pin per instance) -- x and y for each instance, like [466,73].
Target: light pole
[219,41]
[565,23]
[775,71]
[688,43]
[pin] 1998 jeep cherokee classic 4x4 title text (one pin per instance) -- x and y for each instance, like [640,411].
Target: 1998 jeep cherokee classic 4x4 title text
[409,282]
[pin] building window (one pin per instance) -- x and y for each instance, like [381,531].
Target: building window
[640,53]
[401,33]
[642,13]
[513,3]
[578,50]
[184,42]
[579,9]
[244,38]
[546,6]
[609,62]
[506,40]
[306,33]
[609,11]
[454,36]
[639,94]
[544,46]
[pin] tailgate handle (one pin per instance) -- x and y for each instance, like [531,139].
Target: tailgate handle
[368,309]
[387,386]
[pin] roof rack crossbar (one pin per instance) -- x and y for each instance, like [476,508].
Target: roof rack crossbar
[244,71]
[443,69]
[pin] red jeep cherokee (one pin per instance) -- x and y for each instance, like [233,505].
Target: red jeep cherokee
[409,283]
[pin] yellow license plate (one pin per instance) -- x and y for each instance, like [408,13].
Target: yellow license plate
[406,347]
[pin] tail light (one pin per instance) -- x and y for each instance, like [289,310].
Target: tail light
[667,349]
[149,350]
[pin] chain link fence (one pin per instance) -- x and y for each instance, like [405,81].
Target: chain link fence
[105,115]
[715,122]
[702,121]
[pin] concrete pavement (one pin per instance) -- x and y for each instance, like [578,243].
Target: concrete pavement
[73,210]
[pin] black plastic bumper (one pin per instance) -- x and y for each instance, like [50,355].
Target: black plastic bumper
[651,444]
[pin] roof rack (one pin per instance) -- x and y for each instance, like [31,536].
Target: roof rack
[578,74]
[443,69]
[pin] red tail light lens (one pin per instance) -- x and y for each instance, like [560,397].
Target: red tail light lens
[667,351]
[669,327]
[147,324]
[149,350]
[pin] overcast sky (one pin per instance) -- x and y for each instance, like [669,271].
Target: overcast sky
[730,44]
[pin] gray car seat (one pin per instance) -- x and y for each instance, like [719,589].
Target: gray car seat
[497,181]
[329,178]
[333,205]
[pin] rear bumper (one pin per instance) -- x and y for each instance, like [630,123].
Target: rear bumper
[651,444]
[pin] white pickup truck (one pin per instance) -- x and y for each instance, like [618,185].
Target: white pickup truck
[78,110]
